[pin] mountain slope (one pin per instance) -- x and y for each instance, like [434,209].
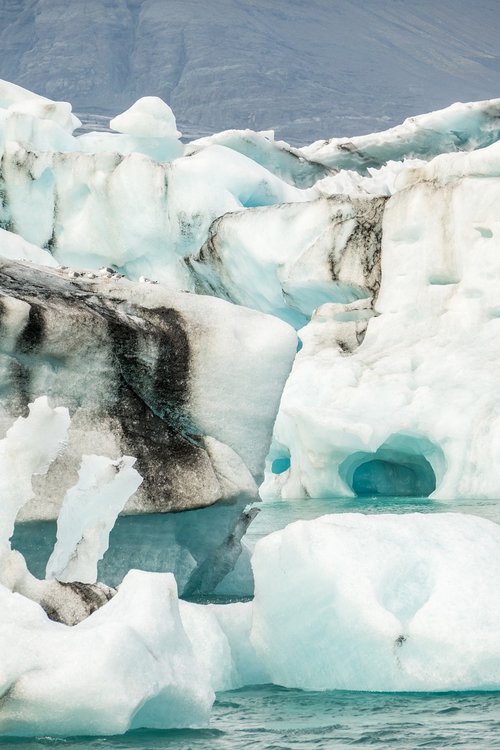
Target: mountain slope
[328,67]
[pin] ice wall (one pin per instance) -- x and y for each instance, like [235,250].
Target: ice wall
[287,260]
[145,371]
[411,405]
[355,602]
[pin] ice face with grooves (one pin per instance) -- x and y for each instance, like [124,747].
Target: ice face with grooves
[422,379]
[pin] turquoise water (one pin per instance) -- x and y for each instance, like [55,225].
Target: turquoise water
[272,718]
[277,514]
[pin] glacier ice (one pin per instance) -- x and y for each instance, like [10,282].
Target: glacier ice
[459,127]
[88,513]
[130,664]
[278,157]
[289,259]
[409,389]
[14,247]
[83,208]
[73,195]
[391,603]
[147,127]
[23,454]
[389,268]
[145,371]
[382,602]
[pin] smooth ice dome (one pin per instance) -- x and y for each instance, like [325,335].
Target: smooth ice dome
[149,117]
[381,602]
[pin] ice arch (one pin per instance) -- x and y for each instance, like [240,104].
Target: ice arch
[403,466]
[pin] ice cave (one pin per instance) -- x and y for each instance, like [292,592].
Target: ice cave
[403,466]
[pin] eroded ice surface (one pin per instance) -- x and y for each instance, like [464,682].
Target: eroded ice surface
[403,399]
[88,514]
[147,372]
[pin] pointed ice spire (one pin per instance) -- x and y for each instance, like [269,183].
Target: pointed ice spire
[88,514]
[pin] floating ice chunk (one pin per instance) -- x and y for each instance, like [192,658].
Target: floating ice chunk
[460,127]
[128,665]
[220,637]
[88,514]
[23,453]
[380,602]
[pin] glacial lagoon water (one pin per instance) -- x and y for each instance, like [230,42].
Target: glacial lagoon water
[274,718]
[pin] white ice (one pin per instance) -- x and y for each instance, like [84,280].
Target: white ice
[88,514]
[380,602]
[414,409]
[130,664]
[13,246]
[289,259]
[28,448]
[459,127]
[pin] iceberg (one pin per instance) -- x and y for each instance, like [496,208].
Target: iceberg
[130,664]
[145,371]
[287,260]
[384,602]
[403,399]
[149,296]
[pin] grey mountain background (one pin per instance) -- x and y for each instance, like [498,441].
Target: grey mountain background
[307,69]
